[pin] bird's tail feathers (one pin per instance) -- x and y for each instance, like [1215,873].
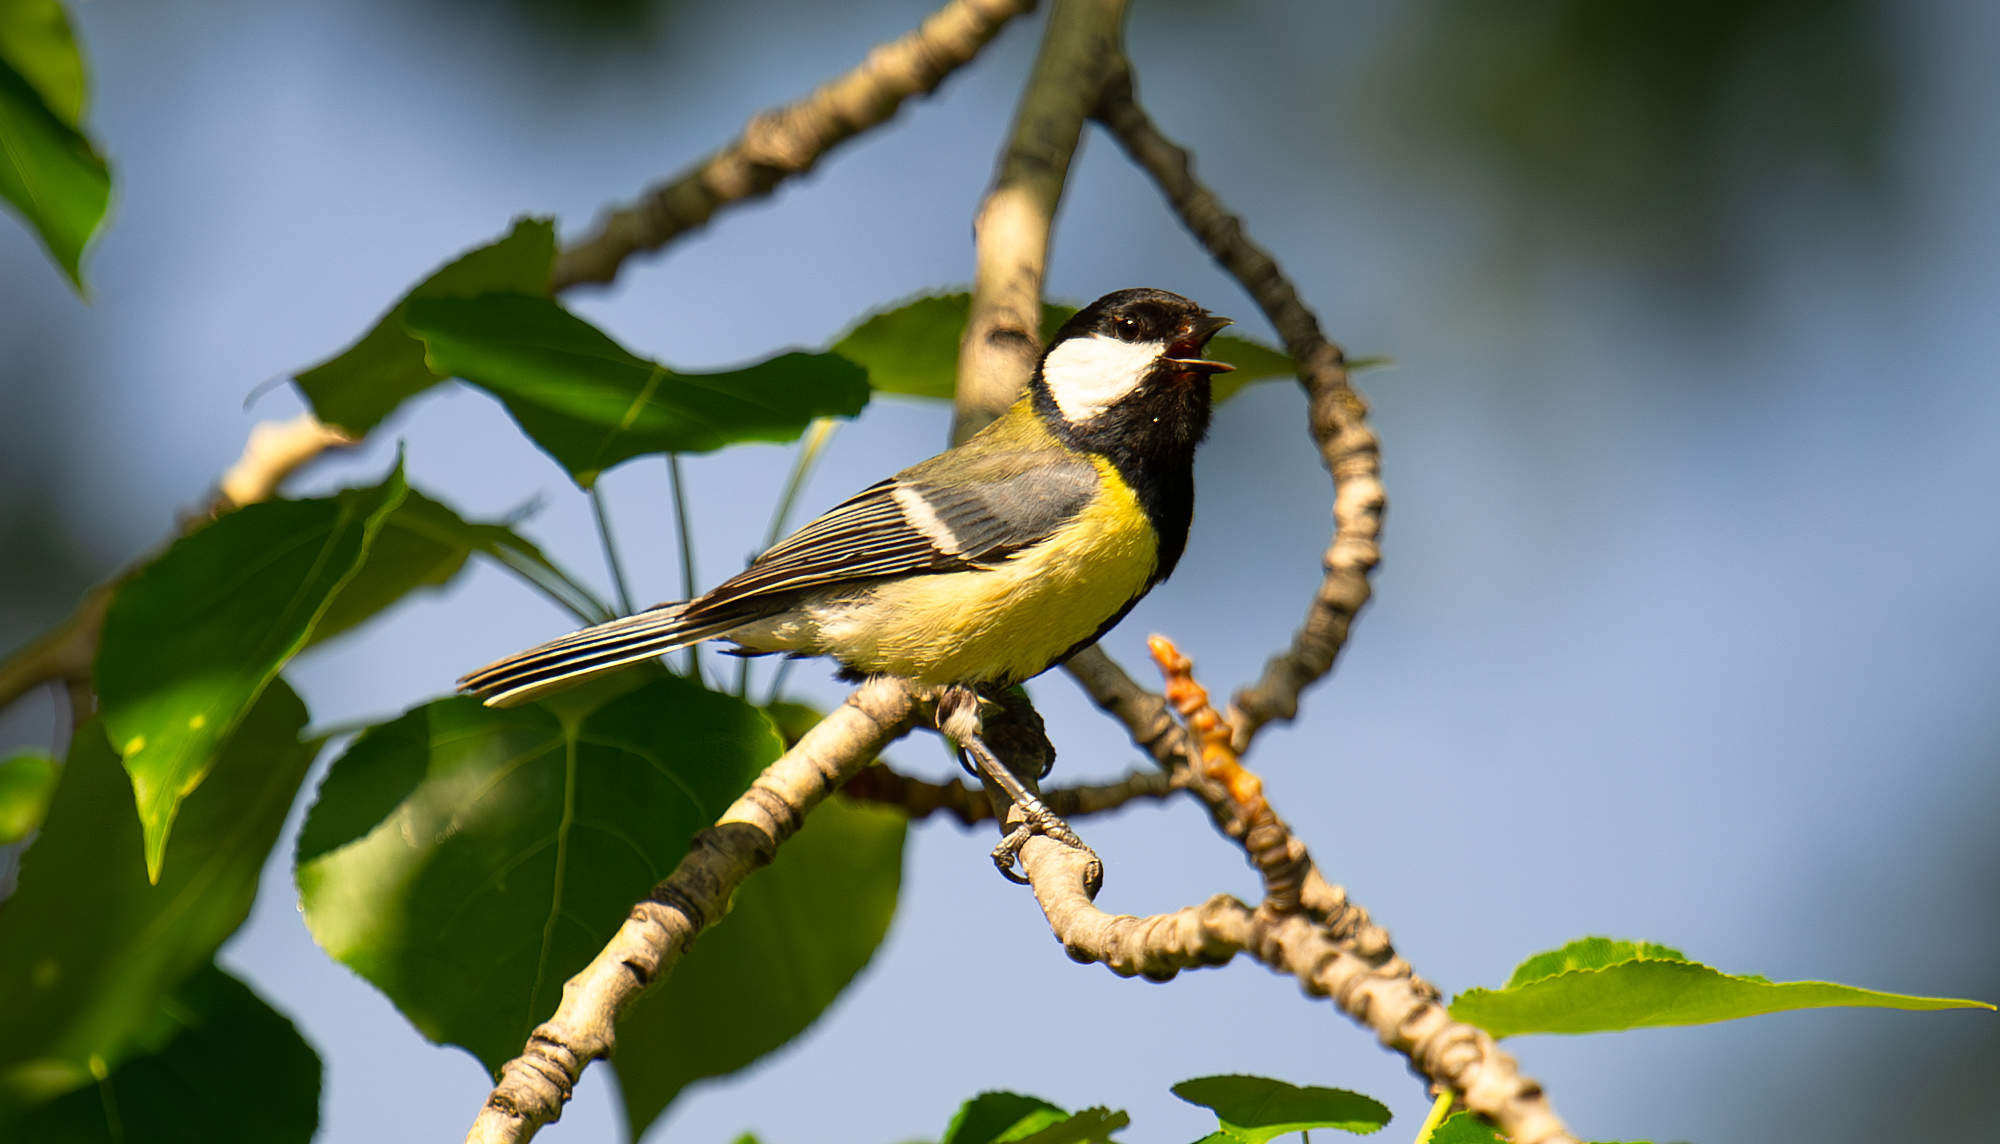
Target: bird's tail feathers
[571,659]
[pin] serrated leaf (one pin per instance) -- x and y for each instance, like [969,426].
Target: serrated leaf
[51,173]
[89,947]
[1254,1109]
[468,860]
[27,781]
[192,639]
[217,1065]
[1628,985]
[424,544]
[1589,953]
[590,403]
[364,383]
[796,934]
[912,348]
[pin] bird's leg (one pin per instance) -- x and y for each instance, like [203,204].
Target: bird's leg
[958,717]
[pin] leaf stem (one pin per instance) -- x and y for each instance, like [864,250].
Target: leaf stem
[1440,1108]
[811,445]
[610,551]
[686,531]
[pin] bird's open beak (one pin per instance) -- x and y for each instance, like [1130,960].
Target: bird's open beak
[1186,350]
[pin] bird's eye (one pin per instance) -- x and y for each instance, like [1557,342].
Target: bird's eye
[1128,329]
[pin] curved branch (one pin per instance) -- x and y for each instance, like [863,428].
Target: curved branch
[534,1086]
[1338,415]
[789,140]
[1305,927]
[1003,331]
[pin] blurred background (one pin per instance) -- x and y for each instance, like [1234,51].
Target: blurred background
[1687,630]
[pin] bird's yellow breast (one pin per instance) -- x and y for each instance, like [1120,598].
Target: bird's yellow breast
[1007,622]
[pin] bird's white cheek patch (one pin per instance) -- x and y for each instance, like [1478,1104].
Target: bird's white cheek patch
[1087,375]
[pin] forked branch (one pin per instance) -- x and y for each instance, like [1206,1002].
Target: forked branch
[1305,927]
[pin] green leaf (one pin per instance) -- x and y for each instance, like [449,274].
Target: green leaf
[27,780]
[1254,1109]
[1011,1118]
[1596,985]
[796,934]
[468,860]
[49,171]
[1465,1128]
[35,40]
[89,947]
[364,383]
[193,638]
[912,348]
[590,403]
[424,544]
[217,1065]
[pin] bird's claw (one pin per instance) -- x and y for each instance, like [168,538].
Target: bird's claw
[1040,820]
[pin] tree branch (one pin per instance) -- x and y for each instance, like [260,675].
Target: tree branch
[1003,331]
[789,140]
[920,799]
[1305,927]
[535,1085]
[1338,416]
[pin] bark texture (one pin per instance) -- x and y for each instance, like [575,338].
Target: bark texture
[535,1085]
[788,141]
[1003,338]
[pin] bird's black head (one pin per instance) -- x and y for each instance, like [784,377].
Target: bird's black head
[1130,358]
[1125,378]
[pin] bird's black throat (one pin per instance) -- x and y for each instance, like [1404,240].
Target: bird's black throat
[1149,436]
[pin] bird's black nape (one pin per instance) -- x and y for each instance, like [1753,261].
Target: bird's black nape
[1150,434]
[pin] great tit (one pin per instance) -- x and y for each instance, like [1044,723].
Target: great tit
[987,564]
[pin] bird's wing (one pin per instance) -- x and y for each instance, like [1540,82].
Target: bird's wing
[988,508]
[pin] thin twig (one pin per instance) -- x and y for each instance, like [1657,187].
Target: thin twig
[534,1086]
[1338,415]
[1002,338]
[789,140]
[920,799]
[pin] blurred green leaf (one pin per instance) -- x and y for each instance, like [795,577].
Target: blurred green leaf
[1011,1118]
[35,40]
[590,403]
[796,934]
[49,171]
[912,348]
[1599,985]
[364,383]
[424,544]
[27,780]
[89,948]
[468,860]
[192,638]
[1254,1109]
[217,1066]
